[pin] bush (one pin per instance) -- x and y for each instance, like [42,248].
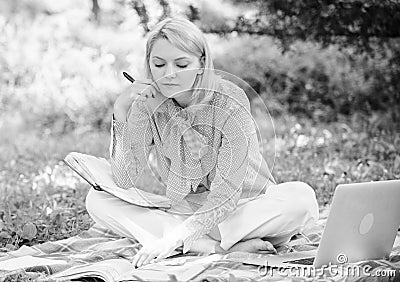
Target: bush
[62,71]
[309,81]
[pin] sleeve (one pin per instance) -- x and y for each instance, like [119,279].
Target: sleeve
[130,145]
[226,187]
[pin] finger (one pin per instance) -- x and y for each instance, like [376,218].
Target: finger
[153,91]
[138,93]
[149,258]
[135,92]
[149,82]
[138,87]
[139,98]
[145,81]
[145,91]
[155,85]
[145,252]
[138,256]
[142,259]
[163,255]
[144,84]
[142,96]
[148,92]
[135,259]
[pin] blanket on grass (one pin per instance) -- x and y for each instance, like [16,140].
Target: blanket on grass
[98,244]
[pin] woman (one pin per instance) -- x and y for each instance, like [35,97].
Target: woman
[223,195]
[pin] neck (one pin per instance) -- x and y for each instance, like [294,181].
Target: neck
[183,99]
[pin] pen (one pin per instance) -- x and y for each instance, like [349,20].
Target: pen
[128,77]
[131,79]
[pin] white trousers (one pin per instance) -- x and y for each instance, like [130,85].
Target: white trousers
[284,210]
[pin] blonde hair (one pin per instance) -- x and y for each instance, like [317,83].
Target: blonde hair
[186,36]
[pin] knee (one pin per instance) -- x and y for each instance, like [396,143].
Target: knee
[308,200]
[300,187]
[300,190]
[302,199]
[93,203]
[90,202]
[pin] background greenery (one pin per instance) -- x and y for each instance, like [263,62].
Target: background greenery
[328,73]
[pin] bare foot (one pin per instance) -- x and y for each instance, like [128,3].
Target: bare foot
[253,246]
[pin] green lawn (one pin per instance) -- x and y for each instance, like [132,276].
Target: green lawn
[41,199]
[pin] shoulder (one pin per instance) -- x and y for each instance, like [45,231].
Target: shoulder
[231,95]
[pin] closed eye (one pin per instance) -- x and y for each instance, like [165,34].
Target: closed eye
[179,66]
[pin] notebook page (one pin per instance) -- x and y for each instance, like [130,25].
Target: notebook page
[100,168]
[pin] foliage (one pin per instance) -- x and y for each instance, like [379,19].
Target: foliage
[321,84]
[366,25]
[335,57]
[351,23]
[61,71]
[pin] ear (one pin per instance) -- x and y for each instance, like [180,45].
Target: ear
[202,63]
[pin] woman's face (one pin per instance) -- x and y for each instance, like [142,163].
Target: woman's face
[173,70]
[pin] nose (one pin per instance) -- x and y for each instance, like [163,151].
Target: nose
[170,71]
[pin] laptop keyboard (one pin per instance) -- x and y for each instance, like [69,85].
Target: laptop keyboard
[306,261]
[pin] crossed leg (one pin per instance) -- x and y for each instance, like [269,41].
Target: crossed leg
[272,218]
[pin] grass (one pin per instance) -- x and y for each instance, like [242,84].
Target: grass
[41,199]
[39,192]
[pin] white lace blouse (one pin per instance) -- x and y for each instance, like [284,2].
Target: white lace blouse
[215,150]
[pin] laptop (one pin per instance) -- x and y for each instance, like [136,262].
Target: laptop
[362,225]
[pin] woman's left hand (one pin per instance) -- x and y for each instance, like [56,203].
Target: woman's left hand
[156,251]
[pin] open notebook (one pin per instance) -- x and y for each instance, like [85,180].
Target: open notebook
[97,172]
[113,270]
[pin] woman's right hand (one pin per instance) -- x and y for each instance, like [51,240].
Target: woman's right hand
[140,90]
